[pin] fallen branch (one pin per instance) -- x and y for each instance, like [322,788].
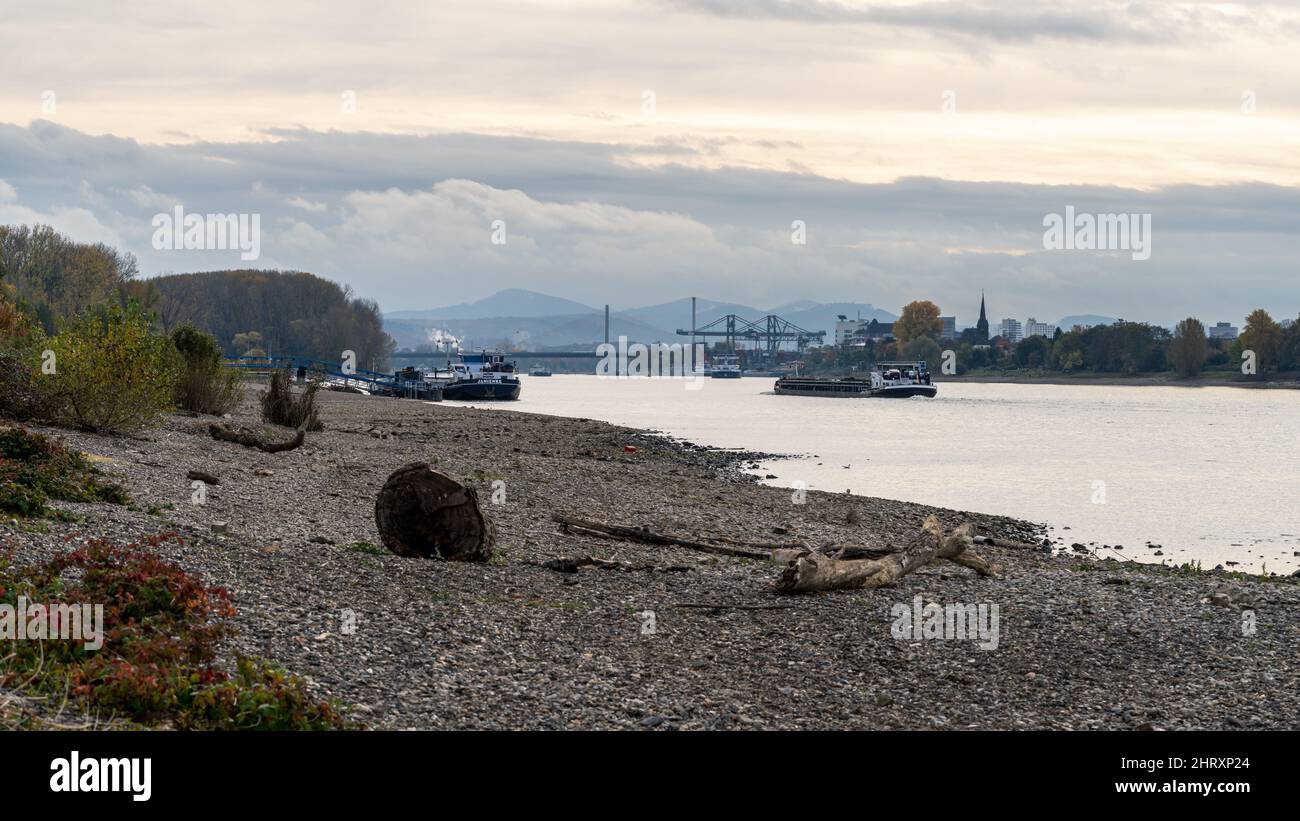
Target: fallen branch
[566,564]
[595,534]
[976,562]
[814,572]
[724,606]
[252,440]
[647,536]
[761,545]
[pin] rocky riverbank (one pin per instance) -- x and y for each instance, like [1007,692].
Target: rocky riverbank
[512,644]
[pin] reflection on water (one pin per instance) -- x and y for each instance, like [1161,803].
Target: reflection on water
[1207,473]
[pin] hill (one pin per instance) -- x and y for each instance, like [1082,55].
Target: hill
[1086,320]
[275,312]
[512,302]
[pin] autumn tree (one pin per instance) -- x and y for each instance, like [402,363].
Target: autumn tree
[1187,351]
[919,319]
[1263,335]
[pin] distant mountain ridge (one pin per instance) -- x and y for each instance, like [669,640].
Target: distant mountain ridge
[535,320]
[512,302]
[1068,322]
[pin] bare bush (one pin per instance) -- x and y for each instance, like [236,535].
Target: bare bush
[282,405]
[203,384]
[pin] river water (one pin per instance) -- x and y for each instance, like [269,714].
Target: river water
[1208,474]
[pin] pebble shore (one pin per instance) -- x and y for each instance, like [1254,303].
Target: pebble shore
[1083,644]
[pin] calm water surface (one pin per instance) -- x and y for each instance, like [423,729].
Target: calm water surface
[1210,474]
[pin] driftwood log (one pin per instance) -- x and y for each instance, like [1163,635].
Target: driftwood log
[644,534]
[424,513]
[814,572]
[249,439]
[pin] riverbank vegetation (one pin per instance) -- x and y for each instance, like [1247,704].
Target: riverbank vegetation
[35,469]
[53,279]
[163,626]
[85,347]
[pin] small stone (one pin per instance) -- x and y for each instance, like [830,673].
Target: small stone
[652,721]
[220,528]
[263,472]
[883,700]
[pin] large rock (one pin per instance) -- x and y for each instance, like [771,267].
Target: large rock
[423,512]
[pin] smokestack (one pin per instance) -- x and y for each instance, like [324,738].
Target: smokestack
[606,324]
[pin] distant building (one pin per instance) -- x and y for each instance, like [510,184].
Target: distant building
[1011,331]
[949,327]
[1223,330]
[1035,328]
[847,329]
[877,330]
[859,331]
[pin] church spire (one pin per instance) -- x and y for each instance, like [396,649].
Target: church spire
[982,327]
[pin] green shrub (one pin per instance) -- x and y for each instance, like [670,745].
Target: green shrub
[203,384]
[23,393]
[35,469]
[260,696]
[113,373]
[282,405]
[157,664]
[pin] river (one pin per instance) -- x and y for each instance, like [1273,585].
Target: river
[1208,474]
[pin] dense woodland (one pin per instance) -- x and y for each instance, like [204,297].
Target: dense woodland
[52,279]
[274,312]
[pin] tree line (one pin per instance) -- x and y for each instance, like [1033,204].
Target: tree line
[1124,348]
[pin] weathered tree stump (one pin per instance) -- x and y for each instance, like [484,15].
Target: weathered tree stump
[814,572]
[422,512]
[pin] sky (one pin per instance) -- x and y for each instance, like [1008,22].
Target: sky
[632,153]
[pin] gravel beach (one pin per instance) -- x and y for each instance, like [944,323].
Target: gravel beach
[1083,643]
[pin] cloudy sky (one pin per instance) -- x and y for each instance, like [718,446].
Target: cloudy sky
[638,152]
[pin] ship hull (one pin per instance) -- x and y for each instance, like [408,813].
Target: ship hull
[725,375]
[480,390]
[839,389]
[905,391]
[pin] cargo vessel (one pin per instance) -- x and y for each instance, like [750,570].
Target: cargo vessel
[898,380]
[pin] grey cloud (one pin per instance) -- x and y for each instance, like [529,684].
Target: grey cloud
[999,22]
[406,219]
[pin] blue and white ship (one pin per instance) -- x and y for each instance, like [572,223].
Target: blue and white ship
[481,375]
[725,367]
